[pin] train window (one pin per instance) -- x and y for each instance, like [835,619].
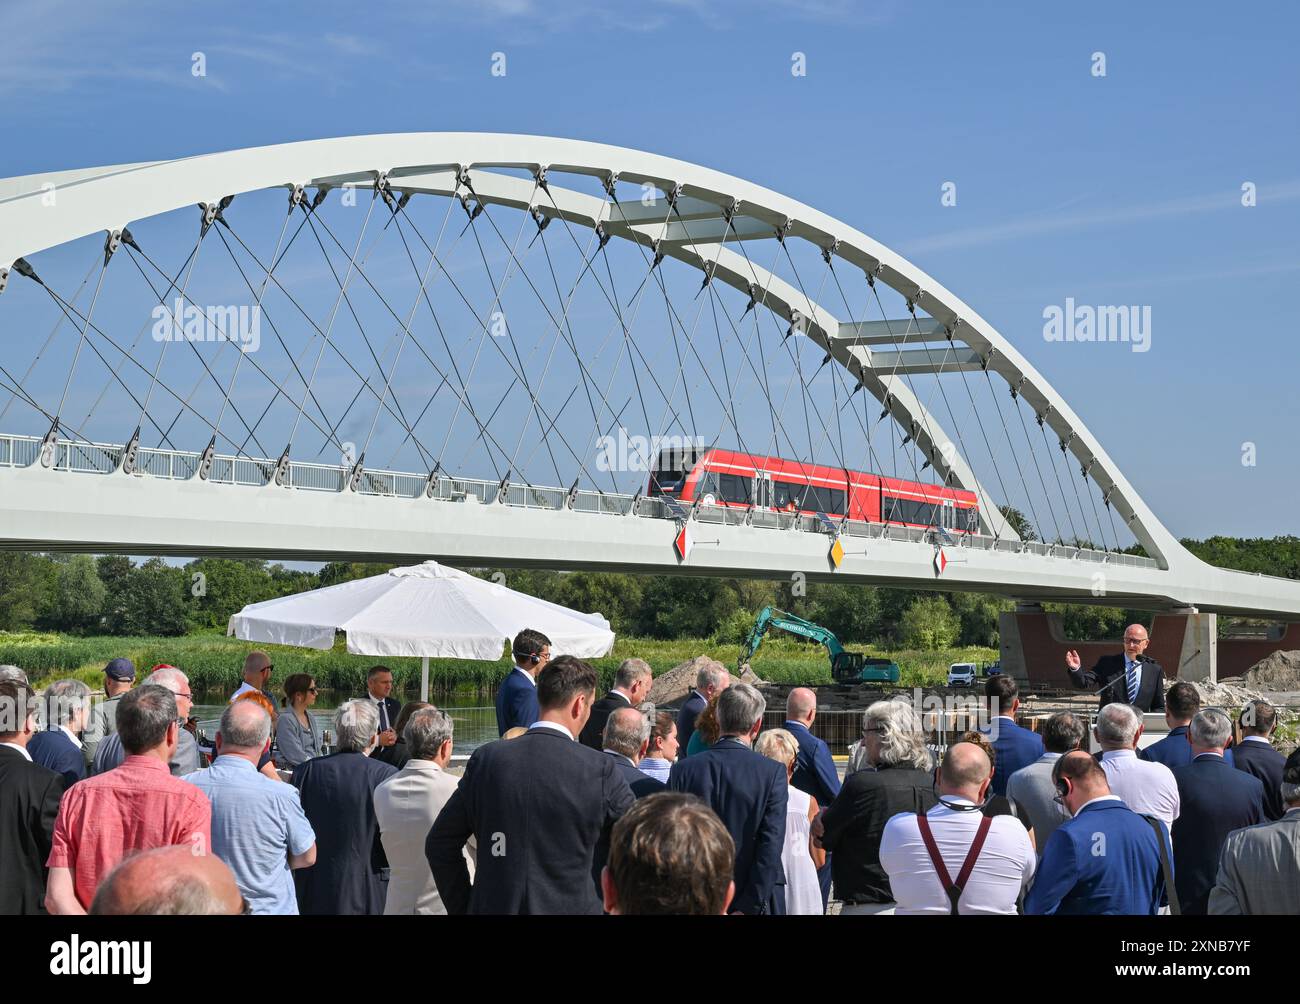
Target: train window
[736,488]
[708,485]
[898,510]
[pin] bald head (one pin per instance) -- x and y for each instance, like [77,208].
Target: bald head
[244,730]
[801,705]
[169,881]
[255,664]
[966,772]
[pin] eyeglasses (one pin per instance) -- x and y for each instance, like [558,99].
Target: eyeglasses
[188,697]
[874,728]
[312,690]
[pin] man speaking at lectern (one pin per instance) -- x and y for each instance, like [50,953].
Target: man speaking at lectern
[1129,677]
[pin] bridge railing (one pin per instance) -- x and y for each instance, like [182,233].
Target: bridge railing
[179,465]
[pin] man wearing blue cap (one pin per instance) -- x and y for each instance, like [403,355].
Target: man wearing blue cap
[119,677]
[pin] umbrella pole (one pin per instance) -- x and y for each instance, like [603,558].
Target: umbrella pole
[424,678]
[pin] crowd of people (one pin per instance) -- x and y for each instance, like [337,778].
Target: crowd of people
[593,803]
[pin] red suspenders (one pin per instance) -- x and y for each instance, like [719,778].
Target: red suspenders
[953,889]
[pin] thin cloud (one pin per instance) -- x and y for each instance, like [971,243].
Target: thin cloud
[1287,191]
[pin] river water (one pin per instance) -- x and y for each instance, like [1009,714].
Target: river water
[474,722]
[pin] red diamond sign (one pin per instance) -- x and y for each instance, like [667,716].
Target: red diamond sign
[683,542]
[940,561]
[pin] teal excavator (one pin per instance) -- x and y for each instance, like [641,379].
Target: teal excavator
[846,667]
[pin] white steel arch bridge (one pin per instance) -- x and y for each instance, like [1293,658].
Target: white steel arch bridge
[473,346]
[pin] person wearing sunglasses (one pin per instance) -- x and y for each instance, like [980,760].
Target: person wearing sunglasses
[257,676]
[297,739]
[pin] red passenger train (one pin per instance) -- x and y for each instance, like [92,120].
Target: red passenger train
[727,478]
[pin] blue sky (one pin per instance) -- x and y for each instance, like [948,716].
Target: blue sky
[1123,189]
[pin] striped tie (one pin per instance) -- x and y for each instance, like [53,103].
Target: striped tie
[1131,673]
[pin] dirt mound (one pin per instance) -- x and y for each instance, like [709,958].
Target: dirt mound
[1278,671]
[672,686]
[1224,695]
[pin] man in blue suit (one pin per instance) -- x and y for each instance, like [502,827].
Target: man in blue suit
[1214,799]
[517,695]
[1181,704]
[749,794]
[814,769]
[1014,747]
[1256,755]
[708,681]
[58,748]
[1104,860]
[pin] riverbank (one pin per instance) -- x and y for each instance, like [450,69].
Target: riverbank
[213,661]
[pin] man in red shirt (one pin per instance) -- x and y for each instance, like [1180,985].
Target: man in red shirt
[135,806]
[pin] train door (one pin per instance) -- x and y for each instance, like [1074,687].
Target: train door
[948,516]
[763,498]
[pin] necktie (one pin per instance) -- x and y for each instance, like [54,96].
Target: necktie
[1131,673]
[383,716]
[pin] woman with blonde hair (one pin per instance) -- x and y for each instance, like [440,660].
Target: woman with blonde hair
[799,857]
[893,742]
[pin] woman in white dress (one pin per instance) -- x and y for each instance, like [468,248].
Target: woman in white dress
[803,894]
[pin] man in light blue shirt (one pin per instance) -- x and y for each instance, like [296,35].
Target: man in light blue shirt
[258,826]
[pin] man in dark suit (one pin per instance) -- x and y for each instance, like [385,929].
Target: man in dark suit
[29,804]
[350,875]
[631,684]
[379,687]
[1129,676]
[749,794]
[58,747]
[625,739]
[1181,704]
[541,807]
[1014,746]
[1214,799]
[517,696]
[814,768]
[1104,860]
[708,681]
[1256,755]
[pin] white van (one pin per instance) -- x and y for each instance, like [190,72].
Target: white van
[961,674]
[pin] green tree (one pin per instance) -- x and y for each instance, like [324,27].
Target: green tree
[219,587]
[1019,522]
[22,577]
[929,623]
[157,600]
[685,606]
[851,611]
[74,596]
[978,613]
[115,572]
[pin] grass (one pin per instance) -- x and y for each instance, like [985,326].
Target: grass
[213,661]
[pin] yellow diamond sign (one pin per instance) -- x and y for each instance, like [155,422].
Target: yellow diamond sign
[837,553]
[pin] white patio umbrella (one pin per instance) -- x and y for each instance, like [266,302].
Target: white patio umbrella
[427,610]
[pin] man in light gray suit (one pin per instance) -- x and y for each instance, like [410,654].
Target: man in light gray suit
[1033,787]
[406,805]
[1259,867]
